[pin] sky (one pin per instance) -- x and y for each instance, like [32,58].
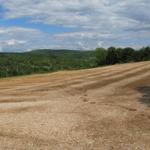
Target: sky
[73,24]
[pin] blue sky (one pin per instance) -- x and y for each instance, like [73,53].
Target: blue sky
[73,24]
[24,22]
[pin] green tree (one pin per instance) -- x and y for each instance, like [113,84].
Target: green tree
[146,53]
[112,56]
[101,55]
[128,54]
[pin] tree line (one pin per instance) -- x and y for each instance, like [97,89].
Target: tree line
[114,55]
[45,61]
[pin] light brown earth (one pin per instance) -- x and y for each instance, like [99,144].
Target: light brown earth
[96,109]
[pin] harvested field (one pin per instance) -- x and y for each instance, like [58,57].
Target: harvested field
[104,108]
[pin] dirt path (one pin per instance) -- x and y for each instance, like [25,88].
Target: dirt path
[95,109]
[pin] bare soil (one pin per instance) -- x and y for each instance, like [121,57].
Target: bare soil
[95,109]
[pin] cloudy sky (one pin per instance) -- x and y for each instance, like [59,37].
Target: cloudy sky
[73,24]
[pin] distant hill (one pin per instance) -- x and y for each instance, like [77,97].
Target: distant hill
[48,60]
[60,52]
[44,60]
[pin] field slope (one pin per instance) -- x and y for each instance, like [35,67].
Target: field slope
[96,109]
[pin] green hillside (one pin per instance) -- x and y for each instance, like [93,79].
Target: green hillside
[46,60]
[42,61]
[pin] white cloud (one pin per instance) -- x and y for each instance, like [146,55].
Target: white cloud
[1,50]
[13,42]
[19,39]
[97,23]
[85,13]
[2,31]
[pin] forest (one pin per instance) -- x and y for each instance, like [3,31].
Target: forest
[46,60]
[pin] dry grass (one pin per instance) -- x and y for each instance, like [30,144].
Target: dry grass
[95,109]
